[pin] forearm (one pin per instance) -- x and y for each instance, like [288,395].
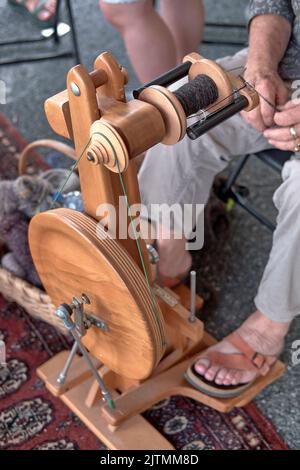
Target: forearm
[268,40]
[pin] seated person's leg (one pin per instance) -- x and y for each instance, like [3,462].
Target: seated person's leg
[278,297]
[148,40]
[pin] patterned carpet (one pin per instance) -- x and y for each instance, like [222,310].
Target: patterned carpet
[31,418]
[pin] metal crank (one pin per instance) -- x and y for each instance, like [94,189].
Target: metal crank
[78,328]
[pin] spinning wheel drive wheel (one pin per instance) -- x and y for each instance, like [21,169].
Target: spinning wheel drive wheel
[74,255]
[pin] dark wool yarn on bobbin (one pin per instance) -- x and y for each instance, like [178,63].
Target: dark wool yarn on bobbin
[197,94]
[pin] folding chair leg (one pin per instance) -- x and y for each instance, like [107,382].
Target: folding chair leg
[73,32]
[235,174]
[229,192]
[241,201]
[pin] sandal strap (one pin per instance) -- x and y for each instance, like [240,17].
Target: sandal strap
[230,361]
[40,6]
[249,359]
[260,361]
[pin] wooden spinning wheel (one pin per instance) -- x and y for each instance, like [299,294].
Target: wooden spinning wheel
[95,264]
[146,338]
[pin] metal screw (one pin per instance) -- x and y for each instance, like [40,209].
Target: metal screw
[75,89]
[193,296]
[153,254]
[85,299]
[90,157]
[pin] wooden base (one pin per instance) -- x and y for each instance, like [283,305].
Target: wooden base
[135,434]
[125,428]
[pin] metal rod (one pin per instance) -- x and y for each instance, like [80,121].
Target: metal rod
[234,175]
[106,394]
[73,32]
[63,375]
[64,312]
[200,128]
[38,58]
[226,25]
[193,276]
[252,210]
[56,21]
[15,42]
[168,78]
[227,43]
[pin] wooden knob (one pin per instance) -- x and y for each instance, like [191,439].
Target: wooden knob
[171,111]
[107,147]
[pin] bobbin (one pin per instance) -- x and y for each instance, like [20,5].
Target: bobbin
[168,104]
[220,78]
[171,110]
[111,135]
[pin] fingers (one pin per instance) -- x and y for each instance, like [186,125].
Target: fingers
[288,117]
[281,134]
[254,118]
[290,145]
[268,91]
[289,104]
[273,93]
[282,95]
[281,138]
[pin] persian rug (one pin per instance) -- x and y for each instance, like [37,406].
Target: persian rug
[31,418]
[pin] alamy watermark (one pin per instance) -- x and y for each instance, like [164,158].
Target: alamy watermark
[2,92]
[296,93]
[168,222]
[296,353]
[2,353]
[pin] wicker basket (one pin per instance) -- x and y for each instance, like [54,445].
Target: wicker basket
[35,301]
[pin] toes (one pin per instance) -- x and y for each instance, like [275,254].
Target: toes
[229,377]
[202,365]
[211,373]
[237,377]
[44,15]
[247,376]
[221,376]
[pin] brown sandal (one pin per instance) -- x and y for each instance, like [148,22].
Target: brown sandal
[247,359]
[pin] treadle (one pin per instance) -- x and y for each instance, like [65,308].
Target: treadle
[125,428]
[171,383]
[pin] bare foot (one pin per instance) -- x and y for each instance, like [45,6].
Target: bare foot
[48,11]
[262,334]
[174,260]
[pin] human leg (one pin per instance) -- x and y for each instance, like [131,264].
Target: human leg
[148,40]
[278,298]
[185,20]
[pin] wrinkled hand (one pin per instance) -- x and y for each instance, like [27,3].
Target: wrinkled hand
[289,116]
[269,84]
